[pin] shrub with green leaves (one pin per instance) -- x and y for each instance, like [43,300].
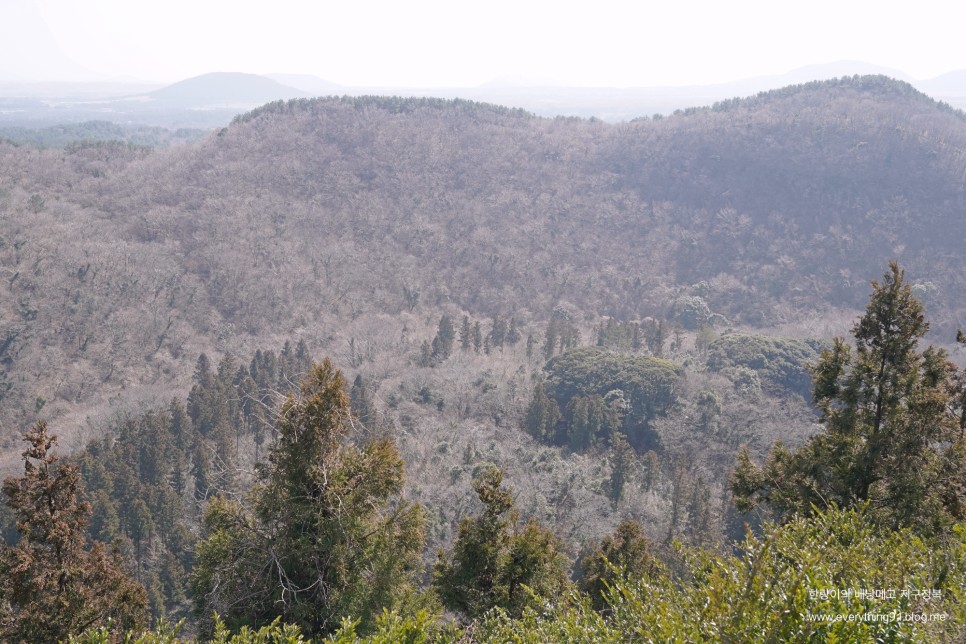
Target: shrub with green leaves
[833,577]
[781,363]
[628,391]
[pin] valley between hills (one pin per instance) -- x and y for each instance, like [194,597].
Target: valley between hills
[606,314]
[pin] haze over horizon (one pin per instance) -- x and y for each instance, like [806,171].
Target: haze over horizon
[432,44]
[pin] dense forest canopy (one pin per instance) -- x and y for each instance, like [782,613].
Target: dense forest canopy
[581,322]
[304,215]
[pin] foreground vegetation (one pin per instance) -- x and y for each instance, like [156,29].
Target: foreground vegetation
[831,578]
[867,540]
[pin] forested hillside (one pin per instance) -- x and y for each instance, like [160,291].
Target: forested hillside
[596,317]
[312,217]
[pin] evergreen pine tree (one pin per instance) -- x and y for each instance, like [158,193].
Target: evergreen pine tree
[513,333]
[477,337]
[892,427]
[543,414]
[445,337]
[51,584]
[364,405]
[498,331]
[550,339]
[625,555]
[621,467]
[324,535]
[466,335]
[494,558]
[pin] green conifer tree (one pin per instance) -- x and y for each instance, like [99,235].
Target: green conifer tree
[892,427]
[543,414]
[364,405]
[621,467]
[324,534]
[466,335]
[494,560]
[51,583]
[445,338]
[624,555]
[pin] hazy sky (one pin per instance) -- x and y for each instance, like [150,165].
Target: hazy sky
[430,43]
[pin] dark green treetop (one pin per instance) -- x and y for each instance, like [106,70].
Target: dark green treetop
[324,534]
[495,561]
[892,434]
[51,583]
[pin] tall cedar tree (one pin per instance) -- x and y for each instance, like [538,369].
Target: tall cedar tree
[364,405]
[543,414]
[625,555]
[622,460]
[325,535]
[495,561]
[892,427]
[466,336]
[445,337]
[51,584]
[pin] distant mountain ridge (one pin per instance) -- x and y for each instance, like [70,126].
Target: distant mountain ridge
[549,98]
[951,84]
[211,100]
[311,85]
[225,89]
[206,101]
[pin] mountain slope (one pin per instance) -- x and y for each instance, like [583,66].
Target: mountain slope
[355,222]
[834,177]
